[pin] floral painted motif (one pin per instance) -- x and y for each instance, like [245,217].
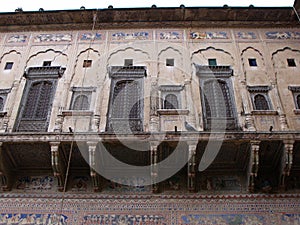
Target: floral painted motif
[32,219]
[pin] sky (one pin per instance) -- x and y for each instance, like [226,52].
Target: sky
[35,5]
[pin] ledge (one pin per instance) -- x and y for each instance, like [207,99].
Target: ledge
[77,113]
[264,112]
[173,111]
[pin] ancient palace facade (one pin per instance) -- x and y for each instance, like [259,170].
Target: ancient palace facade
[150,116]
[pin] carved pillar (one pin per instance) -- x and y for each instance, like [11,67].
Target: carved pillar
[253,164]
[59,122]
[189,102]
[96,123]
[154,105]
[192,166]
[249,121]
[5,183]
[96,180]
[287,162]
[58,166]
[154,169]
[282,116]
[4,122]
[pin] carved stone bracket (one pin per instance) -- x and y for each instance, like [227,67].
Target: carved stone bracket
[192,166]
[58,166]
[96,179]
[249,122]
[5,183]
[253,164]
[287,161]
[283,122]
[96,123]
[154,169]
[59,123]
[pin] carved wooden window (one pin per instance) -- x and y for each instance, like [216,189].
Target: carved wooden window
[171,102]
[216,95]
[126,99]
[35,109]
[219,111]
[260,102]
[38,101]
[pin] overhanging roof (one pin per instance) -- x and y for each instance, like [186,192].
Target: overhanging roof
[150,18]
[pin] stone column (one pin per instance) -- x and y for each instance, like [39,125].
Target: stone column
[93,164]
[253,165]
[154,169]
[286,162]
[192,166]
[59,168]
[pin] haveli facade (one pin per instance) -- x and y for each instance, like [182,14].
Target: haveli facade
[210,95]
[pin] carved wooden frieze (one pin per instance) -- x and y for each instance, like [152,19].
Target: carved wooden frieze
[60,37]
[208,35]
[282,35]
[130,36]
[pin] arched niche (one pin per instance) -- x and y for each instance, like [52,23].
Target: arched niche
[170,66]
[9,65]
[254,67]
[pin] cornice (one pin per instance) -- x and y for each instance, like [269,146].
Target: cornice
[149,18]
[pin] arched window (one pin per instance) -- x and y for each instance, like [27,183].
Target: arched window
[81,102]
[171,102]
[1,104]
[260,102]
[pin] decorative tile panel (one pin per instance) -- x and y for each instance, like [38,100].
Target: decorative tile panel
[83,209]
[91,36]
[246,35]
[169,35]
[130,36]
[282,35]
[52,38]
[208,35]
[17,39]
